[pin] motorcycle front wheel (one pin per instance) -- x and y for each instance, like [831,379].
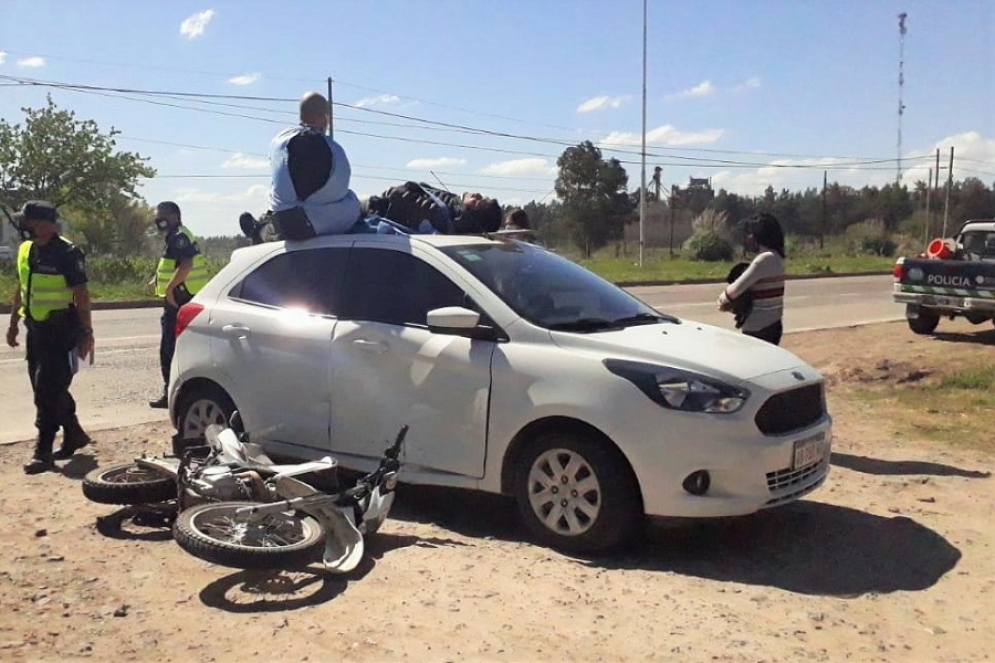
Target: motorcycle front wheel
[215,533]
[128,483]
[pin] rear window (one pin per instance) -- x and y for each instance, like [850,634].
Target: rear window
[308,279]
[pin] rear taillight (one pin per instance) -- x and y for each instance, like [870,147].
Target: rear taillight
[899,270]
[185,316]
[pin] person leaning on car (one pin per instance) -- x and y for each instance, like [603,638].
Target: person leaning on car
[53,298]
[180,275]
[762,281]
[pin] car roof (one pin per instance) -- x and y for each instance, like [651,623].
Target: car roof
[438,241]
[979,224]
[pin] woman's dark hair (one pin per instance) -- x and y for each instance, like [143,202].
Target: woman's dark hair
[487,216]
[766,231]
[519,219]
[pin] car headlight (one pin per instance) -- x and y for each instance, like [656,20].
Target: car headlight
[679,389]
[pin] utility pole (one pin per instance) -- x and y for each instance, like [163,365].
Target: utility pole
[901,84]
[929,211]
[822,224]
[331,133]
[950,184]
[672,198]
[642,190]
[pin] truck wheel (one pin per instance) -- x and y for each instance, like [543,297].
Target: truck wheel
[925,323]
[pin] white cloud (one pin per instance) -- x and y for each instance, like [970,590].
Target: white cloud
[665,135]
[3,57]
[194,26]
[32,62]
[426,164]
[378,100]
[702,89]
[245,79]
[749,84]
[254,197]
[969,148]
[601,103]
[801,174]
[245,162]
[531,167]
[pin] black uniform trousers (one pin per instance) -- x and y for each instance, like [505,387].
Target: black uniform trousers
[167,342]
[50,370]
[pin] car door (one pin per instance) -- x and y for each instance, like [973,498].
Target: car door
[388,369]
[272,335]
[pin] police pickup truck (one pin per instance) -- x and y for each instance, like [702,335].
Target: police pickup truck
[960,282]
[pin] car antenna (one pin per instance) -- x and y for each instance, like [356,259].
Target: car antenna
[439,181]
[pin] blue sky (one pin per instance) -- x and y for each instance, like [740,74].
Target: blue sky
[748,92]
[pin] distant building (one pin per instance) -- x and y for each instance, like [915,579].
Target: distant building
[697,196]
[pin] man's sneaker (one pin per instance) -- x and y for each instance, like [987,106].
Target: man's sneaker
[160,403]
[38,465]
[72,443]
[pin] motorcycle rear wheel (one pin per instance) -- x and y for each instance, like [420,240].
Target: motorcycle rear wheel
[214,533]
[128,483]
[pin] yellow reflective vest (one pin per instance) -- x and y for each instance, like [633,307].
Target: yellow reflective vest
[41,294]
[197,278]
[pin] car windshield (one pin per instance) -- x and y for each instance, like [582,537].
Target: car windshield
[551,291]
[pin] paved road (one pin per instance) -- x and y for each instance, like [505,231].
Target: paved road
[113,392]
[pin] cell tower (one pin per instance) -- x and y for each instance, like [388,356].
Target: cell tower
[901,85]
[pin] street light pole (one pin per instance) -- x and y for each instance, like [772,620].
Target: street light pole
[642,187]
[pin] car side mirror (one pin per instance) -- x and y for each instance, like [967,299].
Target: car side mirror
[457,321]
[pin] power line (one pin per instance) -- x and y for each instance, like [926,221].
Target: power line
[697,161]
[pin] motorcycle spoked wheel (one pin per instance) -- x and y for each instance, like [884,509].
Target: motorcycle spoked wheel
[128,483]
[214,533]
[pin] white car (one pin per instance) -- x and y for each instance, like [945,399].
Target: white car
[518,371]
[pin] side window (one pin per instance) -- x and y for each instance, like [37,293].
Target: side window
[310,279]
[398,288]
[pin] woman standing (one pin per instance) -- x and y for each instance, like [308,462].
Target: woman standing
[763,281]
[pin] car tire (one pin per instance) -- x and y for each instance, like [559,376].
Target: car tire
[925,323]
[576,492]
[199,408]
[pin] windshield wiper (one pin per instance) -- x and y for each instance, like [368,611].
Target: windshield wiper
[585,325]
[646,319]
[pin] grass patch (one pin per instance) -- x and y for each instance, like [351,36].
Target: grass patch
[956,408]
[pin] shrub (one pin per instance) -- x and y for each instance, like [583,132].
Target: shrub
[709,246]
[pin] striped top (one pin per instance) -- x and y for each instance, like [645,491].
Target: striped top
[764,281]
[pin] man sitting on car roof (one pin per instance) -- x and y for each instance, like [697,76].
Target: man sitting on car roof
[310,192]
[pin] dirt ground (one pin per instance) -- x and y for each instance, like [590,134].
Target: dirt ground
[887,562]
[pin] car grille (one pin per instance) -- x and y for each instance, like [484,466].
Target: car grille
[790,484]
[791,410]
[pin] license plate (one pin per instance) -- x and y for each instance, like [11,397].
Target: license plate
[809,451]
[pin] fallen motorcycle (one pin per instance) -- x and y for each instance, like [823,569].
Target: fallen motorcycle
[288,532]
[228,467]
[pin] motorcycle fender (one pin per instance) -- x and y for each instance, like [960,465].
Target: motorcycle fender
[344,546]
[169,467]
[376,511]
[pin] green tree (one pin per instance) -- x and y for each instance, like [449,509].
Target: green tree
[67,161]
[594,196]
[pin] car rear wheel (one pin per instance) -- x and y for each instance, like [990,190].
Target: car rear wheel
[199,408]
[924,323]
[576,492]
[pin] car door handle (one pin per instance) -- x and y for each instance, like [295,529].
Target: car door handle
[236,330]
[370,346]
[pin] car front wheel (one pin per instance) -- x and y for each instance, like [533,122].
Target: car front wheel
[576,492]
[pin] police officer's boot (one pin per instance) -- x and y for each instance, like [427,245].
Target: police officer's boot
[41,460]
[74,438]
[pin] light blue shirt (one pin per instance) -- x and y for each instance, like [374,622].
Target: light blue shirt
[332,209]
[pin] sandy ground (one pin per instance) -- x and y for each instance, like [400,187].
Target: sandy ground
[890,561]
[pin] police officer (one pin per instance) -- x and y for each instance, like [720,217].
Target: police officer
[181,273]
[54,301]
